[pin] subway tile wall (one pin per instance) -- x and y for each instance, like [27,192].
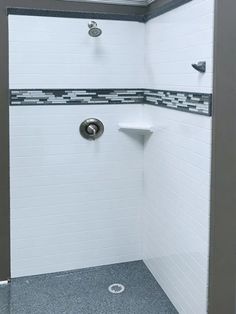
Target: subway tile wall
[50,161]
[177,157]
[47,52]
[174,41]
[74,203]
[176,211]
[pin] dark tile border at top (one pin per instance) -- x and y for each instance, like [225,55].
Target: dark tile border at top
[104,11]
[157,8]
[82,15]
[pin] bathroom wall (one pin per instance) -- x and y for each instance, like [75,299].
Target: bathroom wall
[174,41]
[74,203]
[177,157]
[48,52]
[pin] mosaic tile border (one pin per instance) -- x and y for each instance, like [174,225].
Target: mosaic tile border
[76,96]
[197,103]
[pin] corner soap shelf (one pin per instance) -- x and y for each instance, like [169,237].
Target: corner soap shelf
[139,128]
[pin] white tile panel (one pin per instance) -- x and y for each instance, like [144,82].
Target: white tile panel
[177,157]
[48,52]
[174,41]
[177,198]
[74,203]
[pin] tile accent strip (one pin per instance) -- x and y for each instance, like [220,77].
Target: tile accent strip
[184,101]
[76,97]
[198,103]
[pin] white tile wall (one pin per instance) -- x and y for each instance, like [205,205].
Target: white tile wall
[177,158]
[176,214]
[74,203]
[48,52]
[174,41]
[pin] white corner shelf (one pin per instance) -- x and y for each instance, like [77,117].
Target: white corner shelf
[139,128]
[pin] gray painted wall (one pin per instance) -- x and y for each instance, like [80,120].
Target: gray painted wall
[4,149]
[222,263]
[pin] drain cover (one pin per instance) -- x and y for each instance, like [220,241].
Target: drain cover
[116,288]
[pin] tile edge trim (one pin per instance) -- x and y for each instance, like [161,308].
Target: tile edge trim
[74,14]
[152,10]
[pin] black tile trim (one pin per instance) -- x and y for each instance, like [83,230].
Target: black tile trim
[71,14]
[198,103]
[131,13]
[157,8]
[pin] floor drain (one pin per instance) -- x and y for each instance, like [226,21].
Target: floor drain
[116,288]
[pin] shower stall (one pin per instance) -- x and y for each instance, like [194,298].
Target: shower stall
[110,150]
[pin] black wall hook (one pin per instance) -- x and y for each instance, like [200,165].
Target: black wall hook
[200,66]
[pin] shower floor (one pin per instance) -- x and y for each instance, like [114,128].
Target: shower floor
[86,292]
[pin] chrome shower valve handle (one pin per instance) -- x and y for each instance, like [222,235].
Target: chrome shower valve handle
[91,129]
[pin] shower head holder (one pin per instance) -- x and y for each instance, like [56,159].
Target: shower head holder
[200,66]
[92,24]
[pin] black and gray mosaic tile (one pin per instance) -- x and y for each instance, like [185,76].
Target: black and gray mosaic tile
[184,101]
[76,96]
[198,103]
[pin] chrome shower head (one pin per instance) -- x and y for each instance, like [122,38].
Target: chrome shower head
[94,31]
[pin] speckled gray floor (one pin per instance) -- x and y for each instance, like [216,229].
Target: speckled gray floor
[86,292]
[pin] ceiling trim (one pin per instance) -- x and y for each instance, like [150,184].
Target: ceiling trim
[75,14]
[117,2]
[94,9]
[75,9]
[158,7]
